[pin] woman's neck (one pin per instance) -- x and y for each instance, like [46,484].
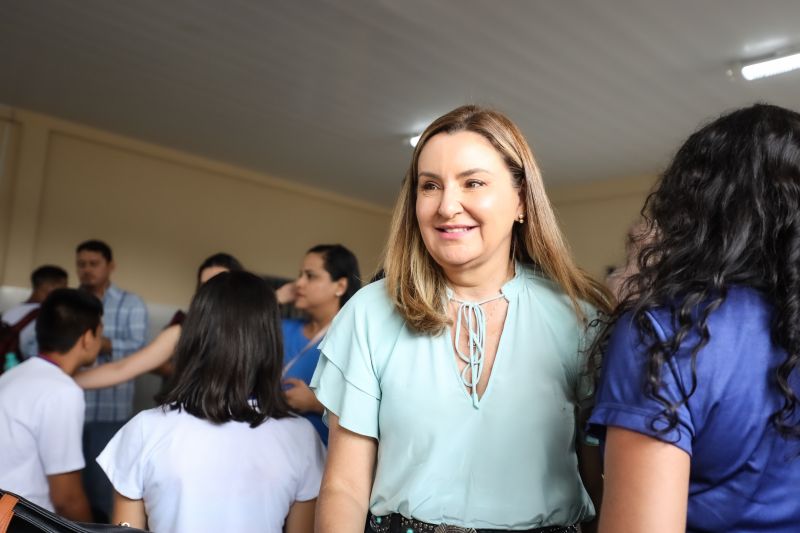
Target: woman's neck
[319,319]
[481,282]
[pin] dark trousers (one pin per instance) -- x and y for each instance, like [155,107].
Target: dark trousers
[97,486]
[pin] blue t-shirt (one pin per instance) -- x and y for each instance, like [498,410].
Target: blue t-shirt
[744,475]
[302,364]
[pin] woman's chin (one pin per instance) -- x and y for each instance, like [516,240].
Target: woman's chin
[455,261]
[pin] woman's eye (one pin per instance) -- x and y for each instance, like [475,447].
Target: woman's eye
[428,186]
[474,184]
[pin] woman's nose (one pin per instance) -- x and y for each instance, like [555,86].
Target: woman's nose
[450,202]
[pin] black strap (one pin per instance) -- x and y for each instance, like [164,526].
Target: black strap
[27,319]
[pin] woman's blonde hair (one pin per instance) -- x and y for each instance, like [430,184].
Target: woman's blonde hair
[415,281]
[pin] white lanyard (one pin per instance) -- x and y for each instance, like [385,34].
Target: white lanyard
[311,343]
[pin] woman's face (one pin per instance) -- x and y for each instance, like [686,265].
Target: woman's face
[466,202]
[209,272]
[314,286]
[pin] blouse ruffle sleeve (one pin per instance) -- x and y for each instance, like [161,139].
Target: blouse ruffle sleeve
[345,381]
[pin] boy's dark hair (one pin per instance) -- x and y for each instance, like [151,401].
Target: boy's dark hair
[64,316]
[229,358]
[47,274]
[94,245]
[340,263]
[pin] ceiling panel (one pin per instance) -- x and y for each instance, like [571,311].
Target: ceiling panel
[326,92]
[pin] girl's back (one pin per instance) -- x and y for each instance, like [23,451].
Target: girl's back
[223,452]
[194,475]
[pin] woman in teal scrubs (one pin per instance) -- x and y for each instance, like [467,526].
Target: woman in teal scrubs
[455,388]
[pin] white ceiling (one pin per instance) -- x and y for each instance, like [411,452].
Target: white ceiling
[326,92]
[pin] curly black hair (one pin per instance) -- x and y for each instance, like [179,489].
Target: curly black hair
[725,212]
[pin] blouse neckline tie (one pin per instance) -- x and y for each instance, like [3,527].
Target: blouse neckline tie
[472,313]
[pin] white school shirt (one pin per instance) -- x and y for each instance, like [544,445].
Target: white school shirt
[197,476]
[41,423]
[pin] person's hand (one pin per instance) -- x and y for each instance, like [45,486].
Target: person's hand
[286,293]
[300,397]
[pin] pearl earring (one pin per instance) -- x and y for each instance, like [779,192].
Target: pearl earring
[521,218]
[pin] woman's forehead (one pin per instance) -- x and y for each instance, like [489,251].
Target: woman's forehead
[465,149]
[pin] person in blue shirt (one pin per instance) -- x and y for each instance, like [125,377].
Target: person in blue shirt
[328,277]
[454,386]
[124,332]
[698,398]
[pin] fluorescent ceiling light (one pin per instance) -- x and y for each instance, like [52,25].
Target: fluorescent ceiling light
[771,67]
[414,140]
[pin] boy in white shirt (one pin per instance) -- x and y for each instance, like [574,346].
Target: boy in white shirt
[42,409]
[44,280]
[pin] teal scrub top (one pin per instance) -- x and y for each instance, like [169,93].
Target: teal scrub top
[507,462]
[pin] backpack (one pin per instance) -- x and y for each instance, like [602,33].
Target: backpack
[9,334]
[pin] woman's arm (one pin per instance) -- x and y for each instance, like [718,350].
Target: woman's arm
[128,511]
[347,482]
[646,484]
[301,517]
[151,356]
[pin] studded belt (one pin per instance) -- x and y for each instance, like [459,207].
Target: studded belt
[397,523]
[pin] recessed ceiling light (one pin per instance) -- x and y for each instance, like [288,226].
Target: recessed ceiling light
[414,140]
[771,67]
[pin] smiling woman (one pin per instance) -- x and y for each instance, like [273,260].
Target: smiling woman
[467,202]
[454,388]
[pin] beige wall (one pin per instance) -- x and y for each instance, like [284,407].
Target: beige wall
[595,218]
[161,210]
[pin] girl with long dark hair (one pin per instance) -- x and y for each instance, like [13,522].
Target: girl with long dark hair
[698,399]
[222,452]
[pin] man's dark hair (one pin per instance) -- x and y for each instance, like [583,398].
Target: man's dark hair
[229,358]
[94,245]
[64,316]
[47,274]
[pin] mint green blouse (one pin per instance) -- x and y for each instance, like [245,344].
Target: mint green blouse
[506,461]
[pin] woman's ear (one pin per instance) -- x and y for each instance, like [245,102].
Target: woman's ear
[341,287]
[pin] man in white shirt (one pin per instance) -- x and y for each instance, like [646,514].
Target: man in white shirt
[42,409]
[44,280]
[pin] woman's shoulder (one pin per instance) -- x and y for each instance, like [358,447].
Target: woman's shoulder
[367,324]
[371,306]
[540,290]
[372,296]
